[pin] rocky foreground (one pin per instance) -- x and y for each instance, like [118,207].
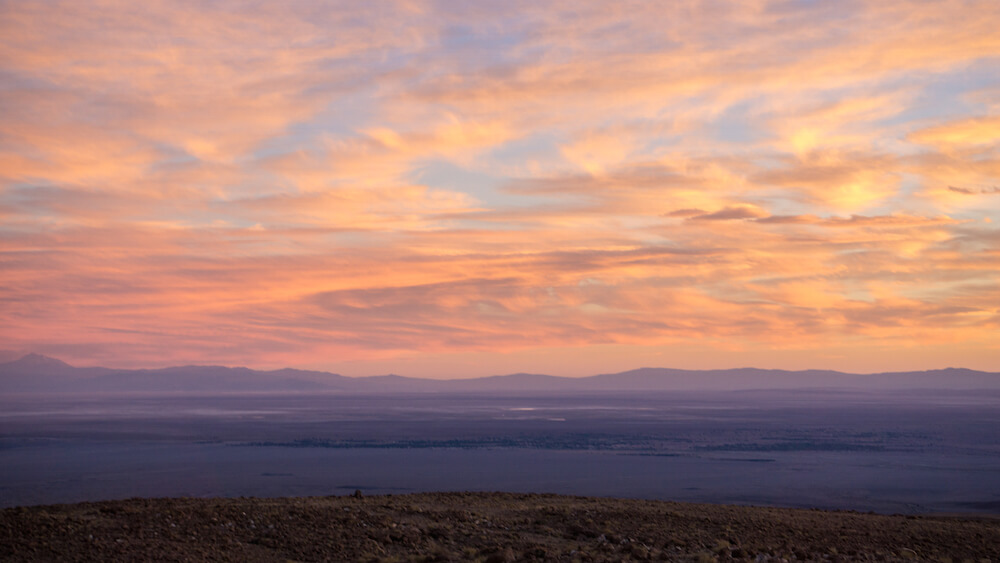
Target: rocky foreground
[486,527]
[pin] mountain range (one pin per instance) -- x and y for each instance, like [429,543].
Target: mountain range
[35,373]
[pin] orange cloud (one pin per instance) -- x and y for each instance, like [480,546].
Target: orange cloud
[311,184]
[975,133]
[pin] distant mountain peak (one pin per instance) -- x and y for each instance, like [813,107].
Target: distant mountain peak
[39,360]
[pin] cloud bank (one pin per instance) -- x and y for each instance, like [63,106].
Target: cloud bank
[404,186]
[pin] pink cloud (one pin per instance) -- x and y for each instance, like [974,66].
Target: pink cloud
[309,183]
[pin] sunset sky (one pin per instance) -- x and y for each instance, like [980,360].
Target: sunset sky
[447,189]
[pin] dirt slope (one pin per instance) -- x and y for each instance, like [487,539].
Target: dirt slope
[483,527]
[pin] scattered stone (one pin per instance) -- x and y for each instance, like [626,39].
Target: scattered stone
[488,527]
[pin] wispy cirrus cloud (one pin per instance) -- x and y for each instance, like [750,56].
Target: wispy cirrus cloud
[316,184]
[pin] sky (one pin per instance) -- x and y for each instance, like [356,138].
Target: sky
[458,189]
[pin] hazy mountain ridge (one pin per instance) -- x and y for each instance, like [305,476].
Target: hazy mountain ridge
[37,373]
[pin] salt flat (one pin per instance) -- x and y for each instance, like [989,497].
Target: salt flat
[920,453]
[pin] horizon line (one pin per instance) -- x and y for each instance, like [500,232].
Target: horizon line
[472,378]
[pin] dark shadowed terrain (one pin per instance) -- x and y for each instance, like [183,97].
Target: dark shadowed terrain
[911,454]
[478,527]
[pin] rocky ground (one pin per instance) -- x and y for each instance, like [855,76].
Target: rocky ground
[485,527]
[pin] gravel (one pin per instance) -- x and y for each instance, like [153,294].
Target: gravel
[484,527]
